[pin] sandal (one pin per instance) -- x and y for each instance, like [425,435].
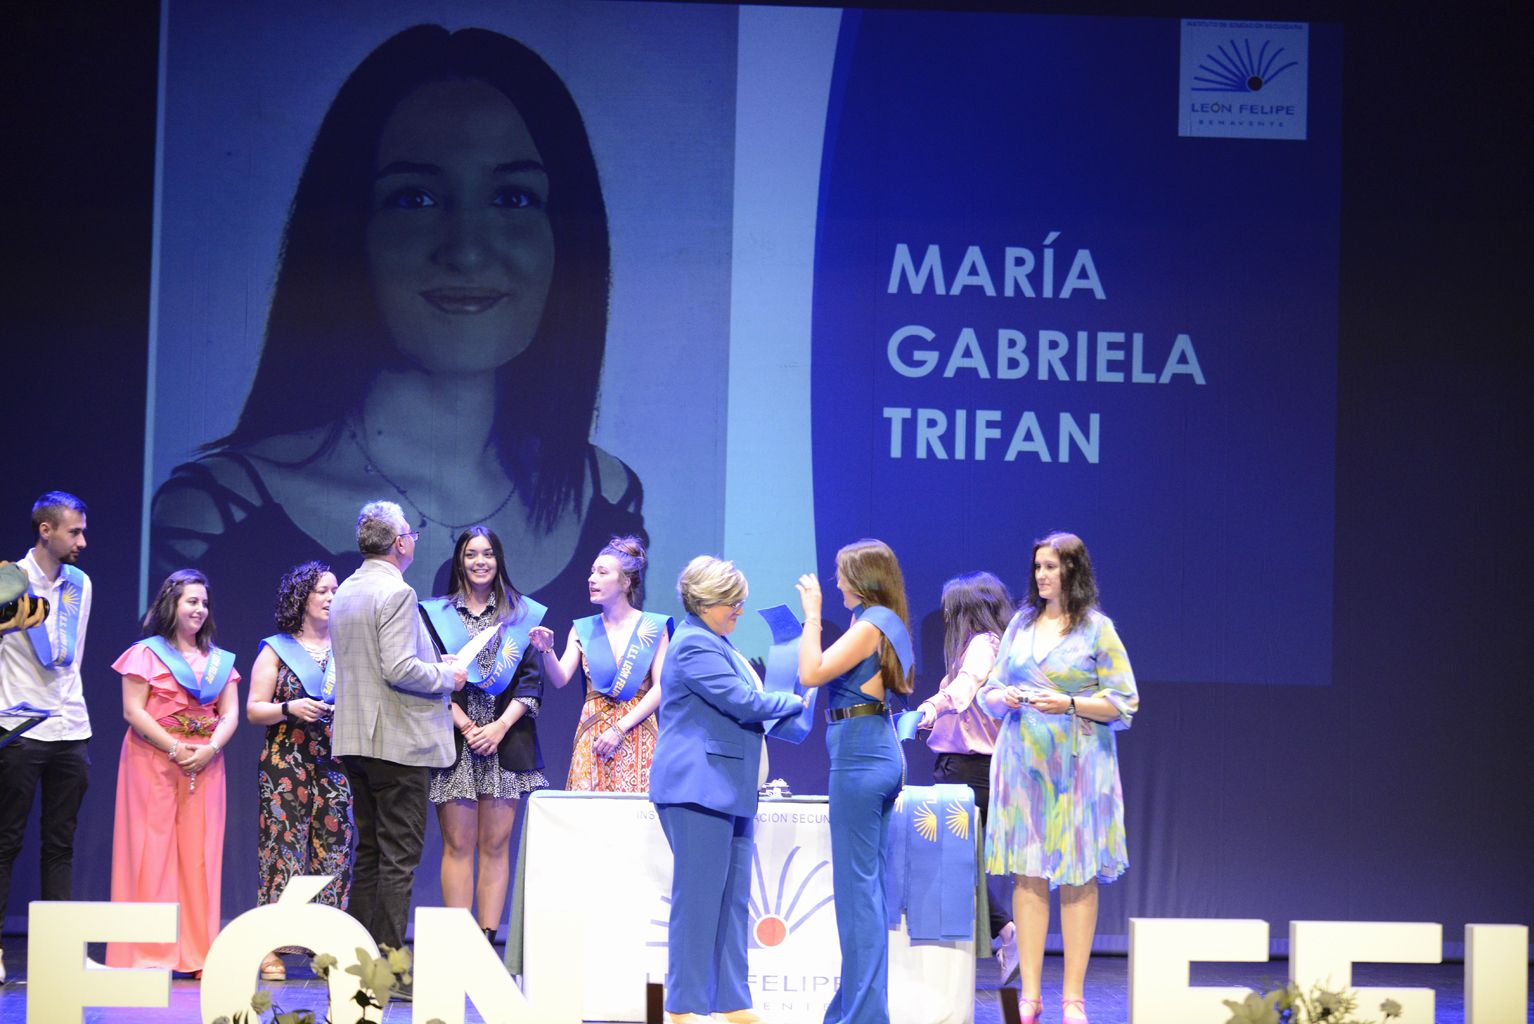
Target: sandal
[273,969]
[1029,1010]
[1073,1011]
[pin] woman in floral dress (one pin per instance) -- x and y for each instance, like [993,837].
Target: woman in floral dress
[620,653]
[1062,687]
[306,801]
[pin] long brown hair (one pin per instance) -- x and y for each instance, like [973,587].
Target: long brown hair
[508,599]
[872,572]
[974,604]
[1078,585]
[160,619]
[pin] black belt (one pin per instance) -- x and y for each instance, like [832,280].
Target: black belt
[856,711]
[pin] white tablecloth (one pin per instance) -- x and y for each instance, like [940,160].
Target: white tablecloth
[594,882]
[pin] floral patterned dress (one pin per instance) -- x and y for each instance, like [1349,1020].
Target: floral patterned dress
[628,770]
[306,803]
[1057,806]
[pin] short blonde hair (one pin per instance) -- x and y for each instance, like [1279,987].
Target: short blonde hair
[709,581]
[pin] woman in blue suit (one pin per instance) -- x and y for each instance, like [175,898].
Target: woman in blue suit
[703,782]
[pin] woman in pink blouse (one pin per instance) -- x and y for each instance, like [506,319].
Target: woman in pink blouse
[976,608]
[180,696]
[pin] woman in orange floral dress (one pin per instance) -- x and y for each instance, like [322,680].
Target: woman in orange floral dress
[620,652]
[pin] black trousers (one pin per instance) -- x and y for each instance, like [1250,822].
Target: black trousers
[974,771]
[61,769]
[389,805]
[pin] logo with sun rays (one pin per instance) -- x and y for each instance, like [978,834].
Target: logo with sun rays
[780,909]
[1236,67]
[510,653]
[1248,80]
[69,596]
[646,632]
[924,820]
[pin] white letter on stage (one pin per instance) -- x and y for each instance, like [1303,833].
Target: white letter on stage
[1323,953]
[926,358]
[59,988]
[292,921]
[1496,973]
[1160,950]
[452,961]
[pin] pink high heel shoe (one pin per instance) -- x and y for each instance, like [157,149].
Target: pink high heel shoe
[1073,1011]
[1029,1010]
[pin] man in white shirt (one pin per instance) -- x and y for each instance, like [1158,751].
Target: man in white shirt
[41,667]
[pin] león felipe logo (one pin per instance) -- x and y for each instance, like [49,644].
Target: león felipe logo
[782,909]
[1235,67]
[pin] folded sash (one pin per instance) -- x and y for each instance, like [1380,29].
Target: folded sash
[930,862]
[783,673]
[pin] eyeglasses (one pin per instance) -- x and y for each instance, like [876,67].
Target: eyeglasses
[412,534]
[736,605]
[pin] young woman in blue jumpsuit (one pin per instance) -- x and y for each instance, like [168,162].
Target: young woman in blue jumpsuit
[867,768]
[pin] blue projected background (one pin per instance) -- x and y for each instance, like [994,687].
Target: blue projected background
[954,281]
[1037,308]
[761,168]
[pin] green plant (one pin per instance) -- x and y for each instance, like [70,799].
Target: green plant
[379,977]
[1289,1004]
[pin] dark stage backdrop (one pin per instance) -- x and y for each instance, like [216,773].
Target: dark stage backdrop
[1319,488]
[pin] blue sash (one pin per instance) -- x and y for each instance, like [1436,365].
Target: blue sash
[444,618]
[319,685]
[71,595]
[929,854]
[783,673]
[888,623]
[615,678]
[214,676]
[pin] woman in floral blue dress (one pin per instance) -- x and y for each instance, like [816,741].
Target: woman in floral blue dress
[1062,686]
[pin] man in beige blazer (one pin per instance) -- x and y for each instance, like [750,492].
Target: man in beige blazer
[393,720]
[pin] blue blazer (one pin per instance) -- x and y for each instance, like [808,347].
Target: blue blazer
[709,750]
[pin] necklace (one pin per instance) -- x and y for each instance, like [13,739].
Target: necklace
[370,464]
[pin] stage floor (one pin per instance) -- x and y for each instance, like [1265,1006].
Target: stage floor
[1107,990]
